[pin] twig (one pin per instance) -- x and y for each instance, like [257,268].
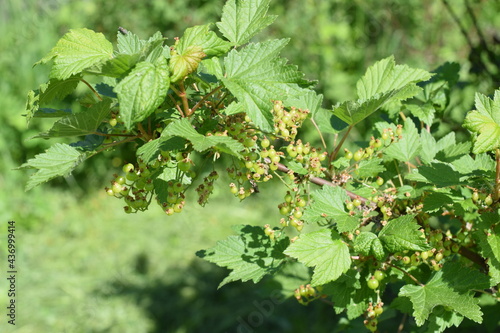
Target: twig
[320,181]
[205,98]
[320,134]
[407,274]
[339,145]
[91,88]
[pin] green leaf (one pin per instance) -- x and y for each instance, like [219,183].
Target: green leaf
[385,76]
[370,168]
[250,255]
[149,151]
[182,64]
[308,101]
[424,112]
[325,251]
[183,128]
[367,243]
[383,83]
[76,51]
[201,36]
[462,278]
[234,108]
[490,248]
[485,123]
[429,149]
[256,76]
[352,112]
[402,234]
[441,174]
[437,292]
[142,91]
[58,160]
[150,50]
[408,147]
[329,203]
[343,291]
[120,65]
[128,43]
[82,123]
[243,19]
[440,319]
[435,201]
[47,92]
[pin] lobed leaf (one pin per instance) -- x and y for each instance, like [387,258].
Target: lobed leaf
[403,234]
[76,51]
[485,123]
[82,123]
[329,203]
[437,292]
[408,147]
[325,251]
[243,19]
[184,129]
[385,76]
[142,91]
[256,76]
[250,256]
[58,160]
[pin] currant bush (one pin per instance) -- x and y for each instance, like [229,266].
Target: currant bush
[401,217]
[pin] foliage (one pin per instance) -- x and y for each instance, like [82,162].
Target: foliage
[410,213]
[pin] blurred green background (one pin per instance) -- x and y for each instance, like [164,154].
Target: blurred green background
[85,266]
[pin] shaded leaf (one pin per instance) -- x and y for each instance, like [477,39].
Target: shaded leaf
[250,255]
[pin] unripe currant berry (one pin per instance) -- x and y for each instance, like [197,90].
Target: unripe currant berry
[265,143]
[347,154]
[488,200]
[373,283]
[117,188]
[379,275]
[113,122]
[128,168]
[358,155]
[399,130]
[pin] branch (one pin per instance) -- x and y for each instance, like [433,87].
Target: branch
[320,181]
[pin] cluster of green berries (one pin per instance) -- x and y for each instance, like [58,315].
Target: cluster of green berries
[482,199]
[135,186]
[175,200]
[206,188]
[306,294]
[375,145]
[375,279]
[286,122]
[442,247]
[292,208]
[372,313]
[310,158]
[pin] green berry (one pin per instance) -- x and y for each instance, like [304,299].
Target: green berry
[373,283]
[379,275]
[128,168]
[358,155]
[264,143]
